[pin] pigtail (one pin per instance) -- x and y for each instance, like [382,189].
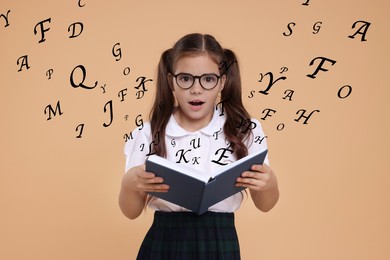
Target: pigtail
[237,118]
[163,104]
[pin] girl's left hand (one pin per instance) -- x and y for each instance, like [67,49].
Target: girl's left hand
[260,178]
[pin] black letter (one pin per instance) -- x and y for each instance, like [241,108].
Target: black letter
[73,25]
[6,18]
[289,95]
[323,59]
[302,115]
[268,112]
[270,83]
[341,89]
[42,30]
[117,52]
[81,130]
[289,28]
[51,110]
[24,62]
[111,113]
[83,70]
[364,27]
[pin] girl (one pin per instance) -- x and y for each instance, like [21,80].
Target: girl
[192,125]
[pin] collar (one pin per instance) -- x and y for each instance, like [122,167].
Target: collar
[173,129]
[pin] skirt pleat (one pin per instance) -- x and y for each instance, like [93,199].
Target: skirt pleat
[187,236]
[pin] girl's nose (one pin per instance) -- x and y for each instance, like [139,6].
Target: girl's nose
[196,88]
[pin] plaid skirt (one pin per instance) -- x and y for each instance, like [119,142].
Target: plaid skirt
[187,236]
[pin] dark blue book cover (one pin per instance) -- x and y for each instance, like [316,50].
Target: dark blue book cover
[192,190]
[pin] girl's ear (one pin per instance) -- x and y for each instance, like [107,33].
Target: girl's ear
[170,81]
[223,81]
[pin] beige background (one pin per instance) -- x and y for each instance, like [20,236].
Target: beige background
[58,193]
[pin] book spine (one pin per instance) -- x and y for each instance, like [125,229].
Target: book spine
[208,193]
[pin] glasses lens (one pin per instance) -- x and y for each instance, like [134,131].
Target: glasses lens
[209,81]
[185,80]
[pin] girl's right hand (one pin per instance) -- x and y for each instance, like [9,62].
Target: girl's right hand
[138,179]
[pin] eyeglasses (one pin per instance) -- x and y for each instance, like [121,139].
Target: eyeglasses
[207,81]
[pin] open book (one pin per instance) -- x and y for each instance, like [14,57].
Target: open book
[196,191]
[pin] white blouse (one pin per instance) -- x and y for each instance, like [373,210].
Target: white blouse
[206,150]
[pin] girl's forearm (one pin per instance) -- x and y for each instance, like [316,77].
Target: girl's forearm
[131,202]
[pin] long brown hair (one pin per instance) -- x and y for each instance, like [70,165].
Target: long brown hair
[237,118]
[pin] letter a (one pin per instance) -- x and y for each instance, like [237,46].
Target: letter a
[24,62]
[362,30]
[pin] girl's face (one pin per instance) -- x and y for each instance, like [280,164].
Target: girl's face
[196,105]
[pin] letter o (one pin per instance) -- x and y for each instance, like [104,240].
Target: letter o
[280,127]
[348,92]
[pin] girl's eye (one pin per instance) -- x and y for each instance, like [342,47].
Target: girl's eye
[209,79]
[185,78]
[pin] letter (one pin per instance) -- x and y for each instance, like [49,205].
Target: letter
[42,29]
[289,94]
[224,67]
[222,156]
[111,113]
[270,83]
[73,26]
[182,155]
[24,62]
[195,160]
[104,88]
[251,94]
[122,94]
[80,4]
[127,137]
[126,117]
[195,145]
[268,113]
[140,92]
[173,142]
[6,18]
[81,84]
[323,59]
[49,73]
[216,134]
[259,139]
[139,122]
[283,69]
[289,29]
[161,106]
[317,27]
[362,30]
[142,146]
[302,115]
[117,52]
[348,93]
[81,130]
[307,3]
[155,142]
[244,122]
[52,111]
[221,105]
[126,71]
[280,127]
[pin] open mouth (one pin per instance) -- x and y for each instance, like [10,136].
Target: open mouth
[196,103]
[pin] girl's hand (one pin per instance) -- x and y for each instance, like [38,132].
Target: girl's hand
[260,178]
[138,179]
[262,185]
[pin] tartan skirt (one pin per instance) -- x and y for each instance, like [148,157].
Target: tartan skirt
[187,236]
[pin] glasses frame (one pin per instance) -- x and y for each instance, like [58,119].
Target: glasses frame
[197,77]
